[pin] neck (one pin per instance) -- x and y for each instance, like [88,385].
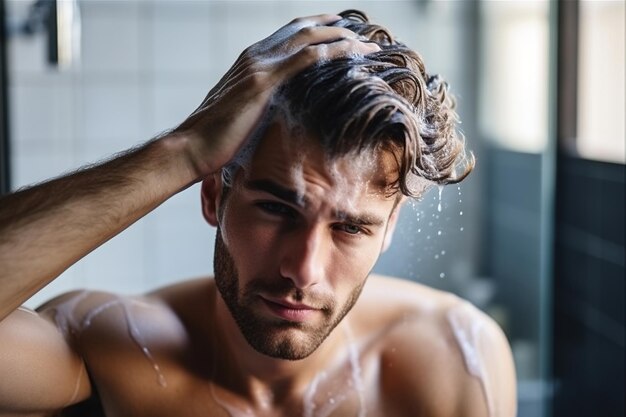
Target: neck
[242,369]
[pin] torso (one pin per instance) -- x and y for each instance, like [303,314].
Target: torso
[155,355]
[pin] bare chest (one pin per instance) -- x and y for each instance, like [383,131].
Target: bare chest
[349,390]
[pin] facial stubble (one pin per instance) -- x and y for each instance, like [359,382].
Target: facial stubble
[277,339]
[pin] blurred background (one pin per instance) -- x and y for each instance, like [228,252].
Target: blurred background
[534,237]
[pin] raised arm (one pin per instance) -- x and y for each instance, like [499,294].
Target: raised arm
[46,228]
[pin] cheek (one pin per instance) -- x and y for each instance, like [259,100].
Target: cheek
[249,243]
[350,267]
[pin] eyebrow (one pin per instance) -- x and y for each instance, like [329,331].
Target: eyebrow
[364,219]
[292,196]
[286,194]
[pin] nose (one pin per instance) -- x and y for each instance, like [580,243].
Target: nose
[304,257]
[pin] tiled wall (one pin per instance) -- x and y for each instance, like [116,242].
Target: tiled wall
[145,66]
[589,289]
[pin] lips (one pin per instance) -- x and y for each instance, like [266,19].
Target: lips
[294,312]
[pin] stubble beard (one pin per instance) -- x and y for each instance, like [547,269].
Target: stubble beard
[277,339]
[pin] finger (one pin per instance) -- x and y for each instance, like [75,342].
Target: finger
[313,35]
[282,34]
[320,19]
[313,54]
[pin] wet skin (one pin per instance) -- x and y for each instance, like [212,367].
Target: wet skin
[298,260]
[408,360]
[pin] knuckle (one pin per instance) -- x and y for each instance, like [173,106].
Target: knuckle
[314,53]
[297,20]
[306,31]
[256,80]
[310,53]
[247,53]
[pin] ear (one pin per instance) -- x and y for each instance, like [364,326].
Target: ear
[211,195]
[391,225]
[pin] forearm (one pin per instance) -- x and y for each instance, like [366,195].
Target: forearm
[46,228]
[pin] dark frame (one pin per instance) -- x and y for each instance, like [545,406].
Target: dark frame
[588,288]
[5,150]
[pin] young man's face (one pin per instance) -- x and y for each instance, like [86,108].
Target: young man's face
[297,238]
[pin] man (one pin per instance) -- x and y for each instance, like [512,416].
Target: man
[307,149]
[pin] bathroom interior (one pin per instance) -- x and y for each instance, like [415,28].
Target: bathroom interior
[534,237]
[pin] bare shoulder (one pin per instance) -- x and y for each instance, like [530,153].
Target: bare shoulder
[118,335]
[84,313]
[439,355]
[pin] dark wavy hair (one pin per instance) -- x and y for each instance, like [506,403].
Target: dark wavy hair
[382,100]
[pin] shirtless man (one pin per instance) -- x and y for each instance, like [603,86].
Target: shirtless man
[307,149]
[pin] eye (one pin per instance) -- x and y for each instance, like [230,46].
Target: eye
[350,229]
[277,209]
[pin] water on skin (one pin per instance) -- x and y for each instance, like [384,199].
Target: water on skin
[467,333]
[322,404]
[318,400]
[65,319]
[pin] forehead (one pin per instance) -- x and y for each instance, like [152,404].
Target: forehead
[297,159]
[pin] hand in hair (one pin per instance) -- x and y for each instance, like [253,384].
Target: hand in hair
[233,108]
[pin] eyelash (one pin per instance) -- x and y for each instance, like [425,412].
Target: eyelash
[343,226]
[276,208]
[280,209]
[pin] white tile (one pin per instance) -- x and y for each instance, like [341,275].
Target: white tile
[41,110]
[117,265]
[176,98]
[37,162]
[27,53]
[311,8]
[182,38]
[240,24]
[110,113]
[181,242]
[110,36]
[178,9]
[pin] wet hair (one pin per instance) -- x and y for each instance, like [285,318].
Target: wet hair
[383,100]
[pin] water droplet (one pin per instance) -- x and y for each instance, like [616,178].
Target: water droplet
[438,232]
[440,192]
[419,230]
[443,252]
[437,256]
[442,275]
[461,229]
[460,213]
